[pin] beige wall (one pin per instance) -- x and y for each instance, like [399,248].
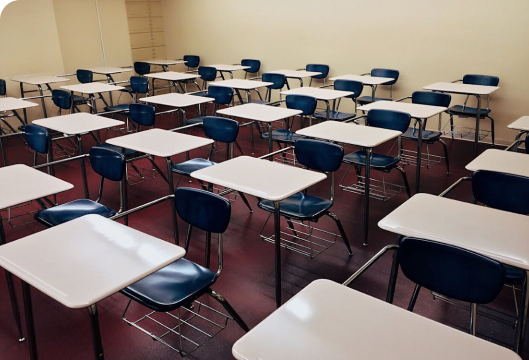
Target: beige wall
[427,41]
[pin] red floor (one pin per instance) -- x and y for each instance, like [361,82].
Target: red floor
[248,277]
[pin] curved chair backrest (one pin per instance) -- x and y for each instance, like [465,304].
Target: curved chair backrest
[322,68]
[37,138]
[85,76]
[387,73]
[305,103]
[255,65]
[431,98]
[277,79]
[349,85]
[142,114]
[223,95]
[451,271]
[221,129]
[139,84]
[485,80]
[319,155]
[108,163]
[142,68]
[191,61]
[501,191]
[3,88]
[207,73]
[527,144]
[62,99]
[389,119]
[203,209]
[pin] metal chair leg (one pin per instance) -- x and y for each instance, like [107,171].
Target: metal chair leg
[452,125]
[405,179]
[473,315]
[414,296]
[215,295]
[245,202]
[291,225]
[342,231]
[447,162]
[492,129]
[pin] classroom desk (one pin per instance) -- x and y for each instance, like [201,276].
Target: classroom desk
[327,320]
[164,63]
[371,81]
[263,113]
[501,161]
[500,235]
[222,68]
[324,95]
[266,180]
[82,262]
[162,143]
[19,184]
[295,74]
[171,76]
[522,125]
[12,105]
[364,136]
[178,101]
[242,84]
[91,89]
[108,72]
[37,80]
[78,124]
[417,111]
[465,89]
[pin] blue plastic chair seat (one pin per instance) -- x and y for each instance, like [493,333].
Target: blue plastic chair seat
[367,100]
[176,284]
[128,152]
[334,115]
[78,98]
[197,120]
[514,275]
[201,94]
[186,168]
[127,88]
[283,135]
[299,206]
[470,111]
[427,135]
[72,210]
[378,161]
[120,107]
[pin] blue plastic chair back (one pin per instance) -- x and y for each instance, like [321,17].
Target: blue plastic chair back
[85,76]
[485,80]
[62,99]
[221,129]
[142,68]
[431,98]
[322,68]
[387,73]
[255,65]
[319,155]
[389,119]
[142,114]
[501,191]
[451,271]
[349,85]
[526,144]
[3,89]
[278,80]
[305,103]
[203,209]
[223,95]
[191,61]
[139,84]
[207,73]
[108,163]
[37,138]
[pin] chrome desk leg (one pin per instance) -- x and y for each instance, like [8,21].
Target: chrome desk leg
[97,344]
[42,101]
[277,231]
[270,142]
[83,167]
[419,157]
[173,206]
[522,318]
[366,195]
[478,116]
[30,325]
[393,275]
[22,95]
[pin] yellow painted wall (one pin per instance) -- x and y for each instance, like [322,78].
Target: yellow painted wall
[428,41]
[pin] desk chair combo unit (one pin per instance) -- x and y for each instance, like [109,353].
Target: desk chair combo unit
[334,114]
[319,68]
[86,77]
[176,287]
[223,96]
[278,82]
[191,61]
[380,72]
[428,137]
[303,209]
[253,67]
